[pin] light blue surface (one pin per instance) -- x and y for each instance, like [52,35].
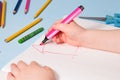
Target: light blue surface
[55,10]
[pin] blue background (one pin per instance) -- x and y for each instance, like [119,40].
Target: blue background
[55,10]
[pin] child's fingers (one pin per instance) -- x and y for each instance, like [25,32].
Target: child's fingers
[54,39]
[14,69]
[10,76]
[58,41]
[73,22]
[21,65]
[52,27]
[49,29]
[54,24]
[58,38]
[48,68]
[63,38]
[34,64]
[57,21]
[61,27]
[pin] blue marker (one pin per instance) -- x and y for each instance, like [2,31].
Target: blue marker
[17,6]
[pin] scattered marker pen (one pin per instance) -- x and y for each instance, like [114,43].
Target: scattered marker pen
[0,12]
[66,20]
[27,6]
[30,35]
[3,13]
[42,8]
[17,6]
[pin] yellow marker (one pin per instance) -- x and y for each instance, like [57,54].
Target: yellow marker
[3,13]
[42,8]
[22,30]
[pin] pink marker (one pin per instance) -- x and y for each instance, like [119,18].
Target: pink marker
[27,6]
[66,20]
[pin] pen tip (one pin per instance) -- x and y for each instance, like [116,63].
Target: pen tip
[35,16]
[6,40]
[14,12]
[2,25]
[25,11]
[41,44]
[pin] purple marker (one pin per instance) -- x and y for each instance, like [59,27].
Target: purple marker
[66,20]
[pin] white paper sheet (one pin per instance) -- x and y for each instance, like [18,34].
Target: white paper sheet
[74,63]
[3,75]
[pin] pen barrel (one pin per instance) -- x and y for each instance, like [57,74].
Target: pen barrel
[42,8]
[25,38]
[27,4]
[3,13]
[0,12]
[72,15]
[66,20]
[17,5]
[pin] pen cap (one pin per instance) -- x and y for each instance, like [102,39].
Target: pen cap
[117,15]
[109,19]
[117,22]
[81,7]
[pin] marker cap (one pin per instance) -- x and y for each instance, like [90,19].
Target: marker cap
[81,7]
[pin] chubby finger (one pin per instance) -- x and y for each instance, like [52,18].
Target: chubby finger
[73,22]
[54,24]
[57,21]
[62,27]
[34,64]
[57,39]
[54,39]
[47,68]
[21,65]
[14,69]
[51,72]
[10,76]
[52,27]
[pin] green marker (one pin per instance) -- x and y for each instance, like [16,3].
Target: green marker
[30,35]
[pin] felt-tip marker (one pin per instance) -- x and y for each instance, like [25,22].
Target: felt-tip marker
[66,20]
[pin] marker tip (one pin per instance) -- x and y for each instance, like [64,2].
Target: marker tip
[41,44]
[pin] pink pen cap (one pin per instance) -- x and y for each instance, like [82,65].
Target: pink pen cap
[66,20]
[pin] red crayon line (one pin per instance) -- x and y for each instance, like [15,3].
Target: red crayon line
[45,51]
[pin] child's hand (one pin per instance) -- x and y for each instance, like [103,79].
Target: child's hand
[70,33]
[76,35]
[33,71]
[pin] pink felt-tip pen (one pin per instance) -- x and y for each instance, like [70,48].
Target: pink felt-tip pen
[66,20]
[27,6]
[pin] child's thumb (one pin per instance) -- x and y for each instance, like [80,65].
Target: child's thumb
[62,27]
